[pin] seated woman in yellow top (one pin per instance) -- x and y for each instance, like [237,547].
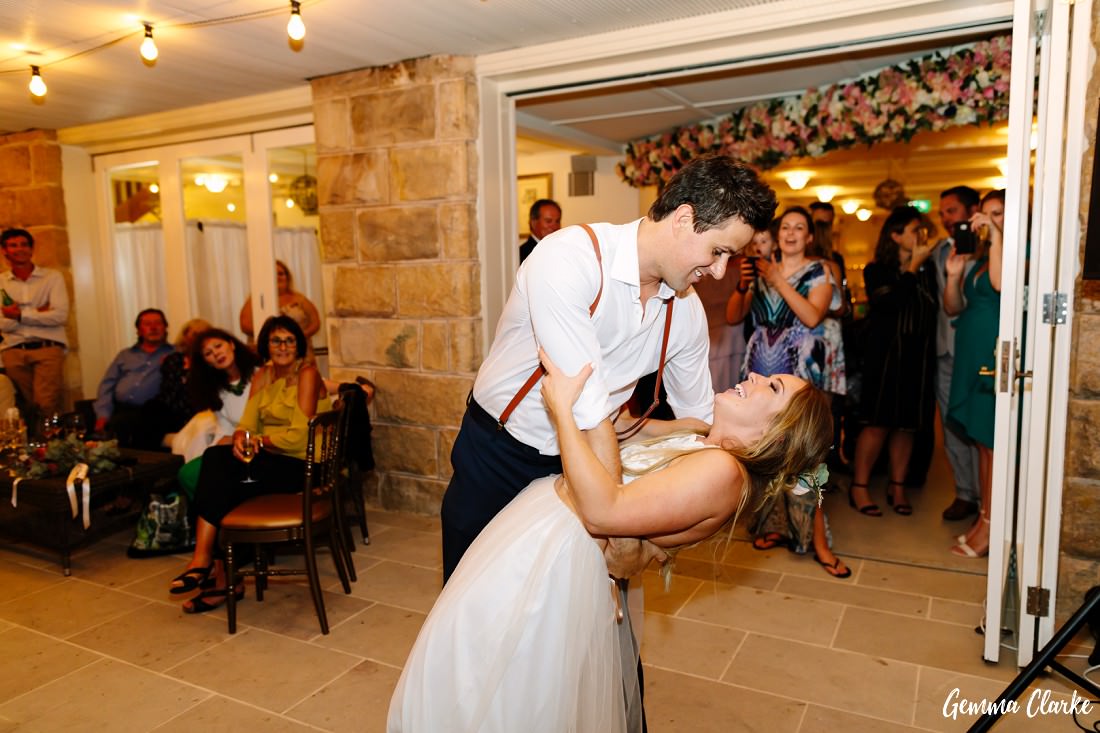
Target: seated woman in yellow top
[286,392]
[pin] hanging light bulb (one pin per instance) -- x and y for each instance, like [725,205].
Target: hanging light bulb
[37,85]
[295,27]
[149,50]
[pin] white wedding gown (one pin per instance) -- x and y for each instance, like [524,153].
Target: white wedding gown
[523,638]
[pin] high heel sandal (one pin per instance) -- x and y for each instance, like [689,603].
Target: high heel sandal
[903,508]
[870,510]
[963,549]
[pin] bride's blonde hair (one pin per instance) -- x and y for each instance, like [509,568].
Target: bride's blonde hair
[795,441]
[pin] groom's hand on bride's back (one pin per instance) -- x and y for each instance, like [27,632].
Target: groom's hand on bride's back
[628,556]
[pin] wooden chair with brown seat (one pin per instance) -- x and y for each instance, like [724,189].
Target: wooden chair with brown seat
[304,518]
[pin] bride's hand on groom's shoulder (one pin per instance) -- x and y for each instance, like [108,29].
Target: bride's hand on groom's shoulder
[559,390]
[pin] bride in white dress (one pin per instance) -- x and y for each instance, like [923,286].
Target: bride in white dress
[523,638]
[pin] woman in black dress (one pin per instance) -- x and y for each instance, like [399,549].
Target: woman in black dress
[898,355]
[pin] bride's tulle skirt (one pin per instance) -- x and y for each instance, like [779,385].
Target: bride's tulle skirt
[523,638]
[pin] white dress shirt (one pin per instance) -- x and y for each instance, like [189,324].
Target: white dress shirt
[548,306]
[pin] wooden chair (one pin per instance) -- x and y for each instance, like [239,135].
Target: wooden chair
[303,518]
[358,451]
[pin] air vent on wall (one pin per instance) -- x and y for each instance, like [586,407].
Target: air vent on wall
[582,177]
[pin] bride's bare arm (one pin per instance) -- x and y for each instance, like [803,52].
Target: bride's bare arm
[652,428]
[692,496]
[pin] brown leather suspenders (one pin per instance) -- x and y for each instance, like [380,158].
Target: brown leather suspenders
[539,371]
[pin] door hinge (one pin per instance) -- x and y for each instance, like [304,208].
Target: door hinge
[1038,601]
[1055,308]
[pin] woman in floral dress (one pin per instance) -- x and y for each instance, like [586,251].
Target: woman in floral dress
[789,298]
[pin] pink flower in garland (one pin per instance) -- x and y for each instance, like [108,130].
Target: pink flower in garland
[969,86]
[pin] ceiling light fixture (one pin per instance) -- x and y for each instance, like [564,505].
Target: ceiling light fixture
[273,178]
[149,50]
[863,214]
[797,180]
[296,27]
[154,188]
[37,85]
[825,194]
[849,207]
[215,183]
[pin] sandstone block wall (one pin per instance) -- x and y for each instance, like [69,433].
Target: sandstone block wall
[32,198]
[397,178]
[1079,567]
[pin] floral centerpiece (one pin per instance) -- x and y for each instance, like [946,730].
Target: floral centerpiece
[58,456]
[966,87]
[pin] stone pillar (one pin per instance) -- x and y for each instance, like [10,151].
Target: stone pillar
[1079,565]
[397,180]
[32,198]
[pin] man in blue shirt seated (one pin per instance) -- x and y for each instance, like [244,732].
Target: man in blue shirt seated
[133,379]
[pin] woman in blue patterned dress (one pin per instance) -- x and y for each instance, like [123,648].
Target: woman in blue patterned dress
[789,298]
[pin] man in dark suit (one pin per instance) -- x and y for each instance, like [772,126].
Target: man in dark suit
[545,220]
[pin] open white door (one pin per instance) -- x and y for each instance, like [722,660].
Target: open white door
[1033,341]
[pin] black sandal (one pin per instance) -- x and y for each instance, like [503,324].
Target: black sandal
[902,507]
[833,568]
[193,579]
[199,604]
[870,510]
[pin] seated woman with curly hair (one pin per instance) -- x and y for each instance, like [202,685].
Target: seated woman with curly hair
[286,392]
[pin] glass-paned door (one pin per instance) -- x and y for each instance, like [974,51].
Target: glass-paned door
[216,238]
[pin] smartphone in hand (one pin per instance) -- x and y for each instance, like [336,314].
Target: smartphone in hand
[965,241]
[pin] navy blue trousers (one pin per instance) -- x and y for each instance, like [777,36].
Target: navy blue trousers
[490,469]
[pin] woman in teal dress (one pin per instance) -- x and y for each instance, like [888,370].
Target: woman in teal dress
[975,297]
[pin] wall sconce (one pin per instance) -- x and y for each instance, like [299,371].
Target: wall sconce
[797,179]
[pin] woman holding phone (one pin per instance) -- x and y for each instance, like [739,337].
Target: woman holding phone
[975,297]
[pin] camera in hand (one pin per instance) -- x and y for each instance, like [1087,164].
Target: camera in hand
[751,259]
[965,241]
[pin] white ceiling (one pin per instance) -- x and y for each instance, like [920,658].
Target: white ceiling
[201,64]
[88,51]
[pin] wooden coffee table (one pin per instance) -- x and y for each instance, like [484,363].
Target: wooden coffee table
[43,515]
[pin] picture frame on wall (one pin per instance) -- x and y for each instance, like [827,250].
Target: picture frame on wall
[529,189]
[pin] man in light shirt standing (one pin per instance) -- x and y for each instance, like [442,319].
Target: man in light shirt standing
[35,307]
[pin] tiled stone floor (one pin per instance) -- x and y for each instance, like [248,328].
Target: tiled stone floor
[743,641]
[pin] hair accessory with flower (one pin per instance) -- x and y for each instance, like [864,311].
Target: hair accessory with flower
[813,480]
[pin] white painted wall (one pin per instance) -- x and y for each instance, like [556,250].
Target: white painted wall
[614,201]
[80,213]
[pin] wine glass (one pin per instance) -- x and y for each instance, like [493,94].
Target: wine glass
[50,426]
[248,452]
[76,425]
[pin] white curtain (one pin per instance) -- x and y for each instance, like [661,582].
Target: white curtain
[139,273]
[299,249]
[217,258]
[217,255]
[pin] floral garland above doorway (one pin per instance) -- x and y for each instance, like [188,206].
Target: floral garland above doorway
[968,87]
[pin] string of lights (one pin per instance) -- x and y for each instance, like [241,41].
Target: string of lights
[148,51]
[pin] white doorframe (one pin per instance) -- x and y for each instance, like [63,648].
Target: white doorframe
[744,38]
